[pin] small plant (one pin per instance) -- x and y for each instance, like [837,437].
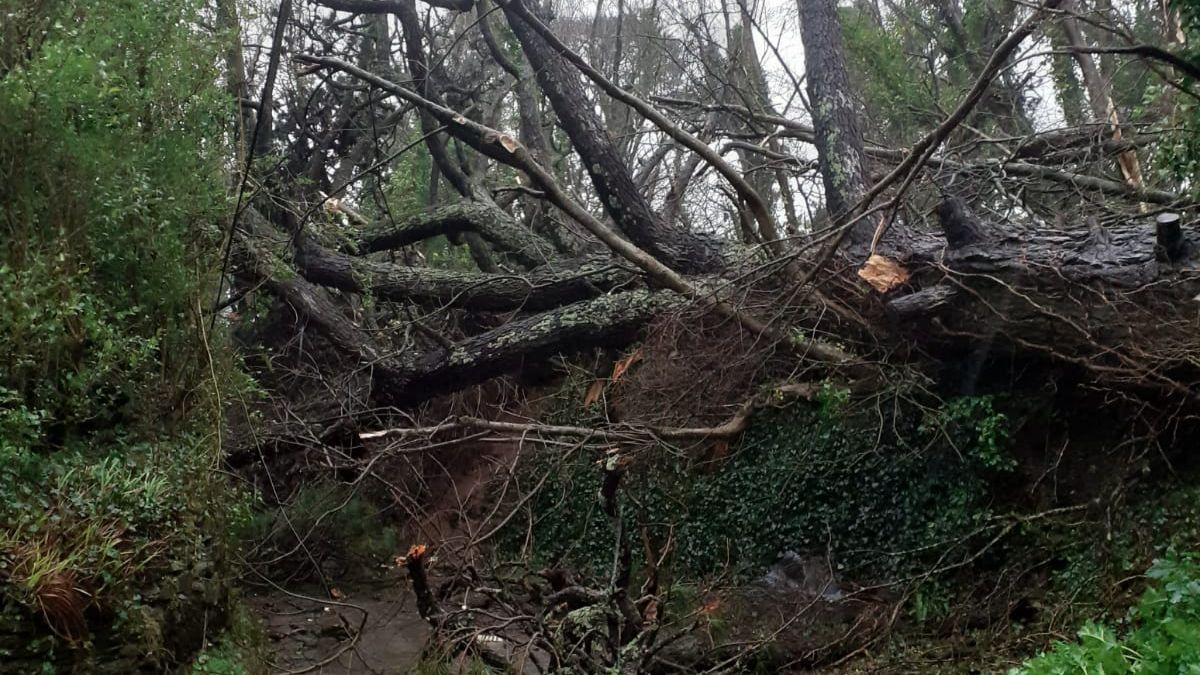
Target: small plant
[930,601]
[241,649]
[977,429]
[1162,632]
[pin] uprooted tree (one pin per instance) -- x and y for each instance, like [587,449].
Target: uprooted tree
[603,177]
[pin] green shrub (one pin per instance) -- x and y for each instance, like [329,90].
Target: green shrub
[1161,633]
[241,649]
[112,142]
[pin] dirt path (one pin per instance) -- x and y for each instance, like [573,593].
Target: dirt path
[313,636]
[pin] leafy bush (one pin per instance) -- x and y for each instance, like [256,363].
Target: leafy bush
[112,201]
[1177,159]
[112,143]
[1162,633]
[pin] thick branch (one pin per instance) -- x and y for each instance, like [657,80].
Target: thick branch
[613,319]
[490,222]
[624,202]
[507,150]
[546,287]
[519,14]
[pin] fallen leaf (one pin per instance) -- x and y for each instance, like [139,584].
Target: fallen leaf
[882,273]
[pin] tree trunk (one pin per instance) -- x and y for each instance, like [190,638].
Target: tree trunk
[1100,97]
[1119,302]
[546,287]
[623,201]
[839,138]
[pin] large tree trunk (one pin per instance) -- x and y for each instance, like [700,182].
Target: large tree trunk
[609,320]
[490,222]
[1119,302]
[546,287]
[622,200]
[836,126]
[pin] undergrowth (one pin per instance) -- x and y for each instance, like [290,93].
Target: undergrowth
[1161,634]
[116,525]
[880,494]
[338,524]
[241,649]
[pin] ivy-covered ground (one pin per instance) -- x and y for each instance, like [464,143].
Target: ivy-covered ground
[920,502]
[880,495]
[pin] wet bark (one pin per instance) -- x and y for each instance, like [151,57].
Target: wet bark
[1119,301]
[609,320]
[837,130]
[490,222]
[546,287]
[622,200]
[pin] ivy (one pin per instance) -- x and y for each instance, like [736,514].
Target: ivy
[882,497]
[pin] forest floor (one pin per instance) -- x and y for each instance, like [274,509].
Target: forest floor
[373,625]
[371,629]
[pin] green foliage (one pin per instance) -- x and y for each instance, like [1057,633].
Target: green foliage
[407,189]
[112,142]
[894,85]
[973,425]
[824,483]
[440,663]
[111,205]
[1178,154]
[1161,633]
[882,496]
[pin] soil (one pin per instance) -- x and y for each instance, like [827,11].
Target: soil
[310,635]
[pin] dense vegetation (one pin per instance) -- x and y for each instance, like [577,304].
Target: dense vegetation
[814,478]
[650,336]
[1161,633]
[114,508]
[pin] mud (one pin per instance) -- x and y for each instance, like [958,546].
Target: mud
[311,635]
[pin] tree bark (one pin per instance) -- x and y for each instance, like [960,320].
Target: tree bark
[836,126]
[1119,302]
[546,287]
[1100,96]
[622,200]
[491,223]
[609,320]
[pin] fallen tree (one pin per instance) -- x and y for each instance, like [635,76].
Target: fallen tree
[1115,299]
